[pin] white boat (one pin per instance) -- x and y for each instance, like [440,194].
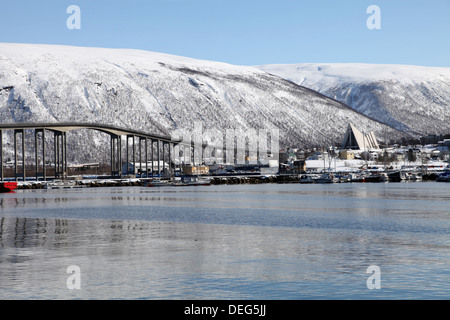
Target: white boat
[342,178]
[192,181]
[413,176]
[360,177]
[185,181]
[157,183]
[60,184]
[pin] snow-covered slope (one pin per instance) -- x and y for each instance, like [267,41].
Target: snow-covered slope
[157,93]
[409,98]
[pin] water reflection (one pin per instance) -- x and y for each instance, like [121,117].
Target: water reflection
[171,260]
[281,242]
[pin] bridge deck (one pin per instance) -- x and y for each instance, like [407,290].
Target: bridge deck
[70,126]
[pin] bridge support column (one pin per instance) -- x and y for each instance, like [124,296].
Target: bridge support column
[1,156]
[140,156]
[116,155]
[44,171]
[36,147]
[146,157]
[158,154]
[60,156]
[164,156]
[119,142]
[16,173]
[36,159]
[133,154]
[153,156]
[170,160]
[128,153]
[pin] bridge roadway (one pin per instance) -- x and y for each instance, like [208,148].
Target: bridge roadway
[60,130]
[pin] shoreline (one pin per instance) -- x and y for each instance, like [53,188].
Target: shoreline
[214,180]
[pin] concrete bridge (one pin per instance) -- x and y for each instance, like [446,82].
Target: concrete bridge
[59,132]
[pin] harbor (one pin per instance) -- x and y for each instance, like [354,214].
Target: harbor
[374,176]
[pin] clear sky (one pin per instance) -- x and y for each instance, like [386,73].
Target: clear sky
[243,32]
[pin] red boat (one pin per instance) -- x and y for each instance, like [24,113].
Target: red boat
[7,186]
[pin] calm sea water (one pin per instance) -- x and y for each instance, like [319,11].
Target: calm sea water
[271,241]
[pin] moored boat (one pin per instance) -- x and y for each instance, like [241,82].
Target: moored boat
[357,178]
[443,177]
[325,178]
[413,176]
[7,186]
[157,183]
[192,181]
[376,177]
[396,176]
[60,184]
[304,178]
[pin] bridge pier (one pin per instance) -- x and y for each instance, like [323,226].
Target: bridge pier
[163,157]
[36,146]
[169,155]
[158,144]
[16,173]
[60,153]
[133,154]
[1,156]
[116,155]
[146,157]
[140,155]
[153,155]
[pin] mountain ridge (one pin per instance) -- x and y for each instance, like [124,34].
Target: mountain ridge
[414,99]
[159,93]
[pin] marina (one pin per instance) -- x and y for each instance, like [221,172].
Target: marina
[312,178]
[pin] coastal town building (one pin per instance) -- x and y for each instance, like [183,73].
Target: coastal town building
[195,170]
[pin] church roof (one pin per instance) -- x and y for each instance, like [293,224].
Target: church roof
[355,139]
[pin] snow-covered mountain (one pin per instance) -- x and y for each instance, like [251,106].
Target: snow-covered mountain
[156,92]
[410,98]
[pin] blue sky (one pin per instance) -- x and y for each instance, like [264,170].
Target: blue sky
[243,32]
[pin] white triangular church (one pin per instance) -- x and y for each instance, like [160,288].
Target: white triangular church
[356,140]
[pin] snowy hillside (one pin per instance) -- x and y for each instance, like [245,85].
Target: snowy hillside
[409,98]
[157,93]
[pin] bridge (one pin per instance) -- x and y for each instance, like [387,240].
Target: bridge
[59,132]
